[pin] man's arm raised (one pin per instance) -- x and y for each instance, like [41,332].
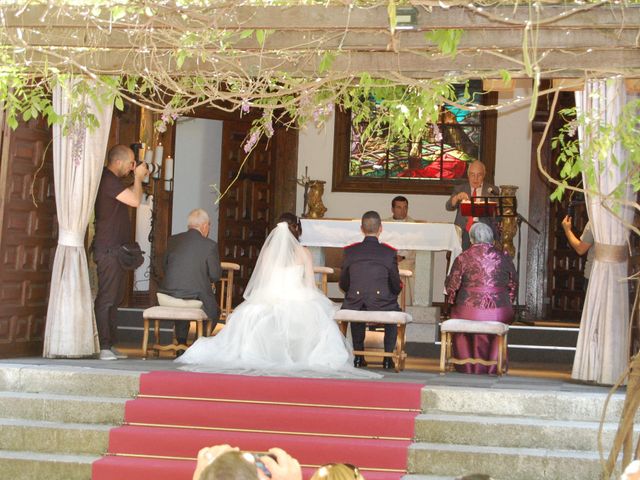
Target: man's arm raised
[132,196]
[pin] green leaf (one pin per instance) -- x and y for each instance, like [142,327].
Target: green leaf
[260,37]
[118,12]
[446,39]
[119,103]
[246,33]
[326,61]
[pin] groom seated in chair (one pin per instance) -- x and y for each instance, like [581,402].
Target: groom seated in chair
[191,265]
[371,281]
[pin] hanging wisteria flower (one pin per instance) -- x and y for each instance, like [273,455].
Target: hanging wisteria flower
[572,128]
[268,125]
[253,139]
[245,106]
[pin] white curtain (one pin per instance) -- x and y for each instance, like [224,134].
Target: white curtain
[602,352]
[78,157]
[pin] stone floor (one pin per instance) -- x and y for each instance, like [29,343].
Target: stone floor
[537,377]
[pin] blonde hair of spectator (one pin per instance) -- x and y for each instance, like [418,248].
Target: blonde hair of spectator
[337,471]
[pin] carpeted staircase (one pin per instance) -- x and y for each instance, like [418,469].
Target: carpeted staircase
[369,424]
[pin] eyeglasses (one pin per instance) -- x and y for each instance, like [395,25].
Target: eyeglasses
[324,470]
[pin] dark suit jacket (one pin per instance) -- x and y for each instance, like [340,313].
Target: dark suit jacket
[370,277]
[191,264]
[461,221]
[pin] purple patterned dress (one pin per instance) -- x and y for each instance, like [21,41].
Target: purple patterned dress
[481,286]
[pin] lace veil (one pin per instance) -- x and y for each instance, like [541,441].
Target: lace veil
[280,268]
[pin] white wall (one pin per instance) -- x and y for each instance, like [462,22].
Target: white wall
[512,168]
[197,167]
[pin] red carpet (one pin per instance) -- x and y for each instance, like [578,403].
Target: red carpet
[365,423]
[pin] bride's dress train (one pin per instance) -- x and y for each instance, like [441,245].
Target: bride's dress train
[285,327]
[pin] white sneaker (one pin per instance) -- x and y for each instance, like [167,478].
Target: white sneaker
[118,353]
[107,355]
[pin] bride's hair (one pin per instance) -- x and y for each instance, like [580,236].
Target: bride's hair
[295,226]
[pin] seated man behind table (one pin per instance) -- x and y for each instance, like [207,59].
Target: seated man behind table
[475,187]
[191,264]
[371,281]
[406,258]
[482,285]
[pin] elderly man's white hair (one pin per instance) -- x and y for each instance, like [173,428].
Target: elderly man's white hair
[481,233]
[632,472]
[197,218]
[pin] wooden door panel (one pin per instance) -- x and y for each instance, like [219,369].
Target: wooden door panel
[27,237]
[246,211]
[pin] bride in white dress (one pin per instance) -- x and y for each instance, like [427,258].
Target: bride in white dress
[285,326]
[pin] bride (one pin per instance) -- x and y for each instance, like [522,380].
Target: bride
[285,325]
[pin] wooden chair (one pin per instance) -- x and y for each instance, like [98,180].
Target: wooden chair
[177,312]
[456,325]
[401,319]
[324,273]
[225,290]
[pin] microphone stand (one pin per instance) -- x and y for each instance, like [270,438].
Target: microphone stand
[519,220]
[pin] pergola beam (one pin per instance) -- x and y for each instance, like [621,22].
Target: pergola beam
[561,40]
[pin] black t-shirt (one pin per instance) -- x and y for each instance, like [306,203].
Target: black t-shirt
[112,216]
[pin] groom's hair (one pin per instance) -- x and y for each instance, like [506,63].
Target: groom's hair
[371,222]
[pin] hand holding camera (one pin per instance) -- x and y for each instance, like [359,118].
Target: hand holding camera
[141,170]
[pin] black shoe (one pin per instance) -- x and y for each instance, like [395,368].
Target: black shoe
[359,361]
[387,363]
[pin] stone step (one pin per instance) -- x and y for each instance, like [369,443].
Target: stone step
[53,437]
[69,380]
[30,465]
[503,463]
[62,408]
[516,432]
[552,405]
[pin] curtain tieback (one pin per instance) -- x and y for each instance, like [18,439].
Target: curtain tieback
[610,253]
[70,239]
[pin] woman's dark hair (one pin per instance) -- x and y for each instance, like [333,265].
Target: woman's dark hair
[295,226]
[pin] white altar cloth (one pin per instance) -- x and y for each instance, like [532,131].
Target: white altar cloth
[428,236]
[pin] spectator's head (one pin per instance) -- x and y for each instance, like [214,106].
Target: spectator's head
[399,207]
[295,226]
[199,220]
[480,233]
[230,466]
[120,160]
[632,472]
[476,173]
[337,471]
[371,223]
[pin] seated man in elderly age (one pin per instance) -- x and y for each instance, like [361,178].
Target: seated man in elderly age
[191,265]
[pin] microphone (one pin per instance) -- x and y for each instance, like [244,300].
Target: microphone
[492,190]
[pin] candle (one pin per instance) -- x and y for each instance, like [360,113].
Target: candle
[168,173]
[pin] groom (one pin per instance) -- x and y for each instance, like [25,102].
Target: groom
[371,281]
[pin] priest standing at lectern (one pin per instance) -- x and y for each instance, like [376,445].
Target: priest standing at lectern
[475,187]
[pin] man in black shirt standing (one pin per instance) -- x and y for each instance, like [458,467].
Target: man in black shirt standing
[113,228]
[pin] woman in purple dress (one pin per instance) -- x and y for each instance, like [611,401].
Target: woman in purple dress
[481,286]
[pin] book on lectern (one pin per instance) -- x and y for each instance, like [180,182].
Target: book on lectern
[478,208]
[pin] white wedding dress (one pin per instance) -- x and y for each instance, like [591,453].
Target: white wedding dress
[285,326]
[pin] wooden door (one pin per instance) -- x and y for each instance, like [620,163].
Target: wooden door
[247,209]
[554,271]
[28,233]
